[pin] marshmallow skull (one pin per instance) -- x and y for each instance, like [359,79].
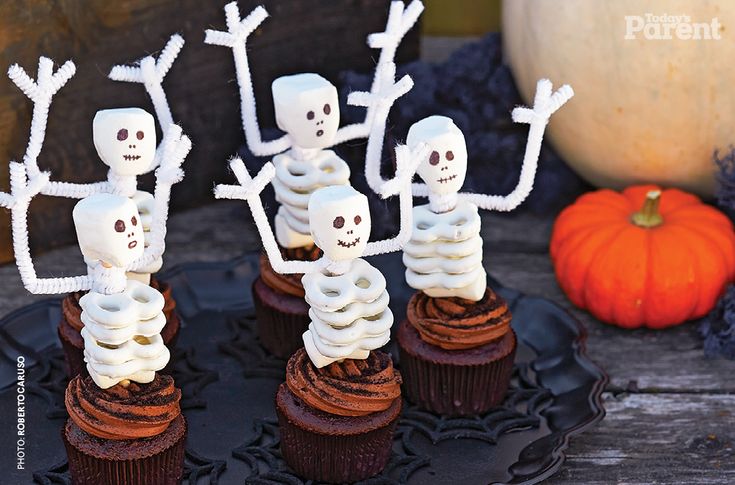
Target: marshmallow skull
[109,229]
[125,139]
[445,168]
[339,219]
[307,108]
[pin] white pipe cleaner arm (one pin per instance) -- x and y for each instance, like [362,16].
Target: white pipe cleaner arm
[150,73]
[41,93]
[420,189]
[544,105]
[381,101]
[249,190]
[176,147]
[22,192]
[407,162]
[235,38]
[400,21]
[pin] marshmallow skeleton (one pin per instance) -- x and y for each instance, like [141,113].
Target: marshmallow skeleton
[307,109]
[444,256]
[347,296]
[122,323]
[125,138]
[122,317]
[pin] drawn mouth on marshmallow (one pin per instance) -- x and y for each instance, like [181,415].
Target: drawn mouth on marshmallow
[349,244]
[132,244]
[131,157]
[447,179]
[320,133]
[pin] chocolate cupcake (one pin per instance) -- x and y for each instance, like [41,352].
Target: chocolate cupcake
[132,435]
[456,354]
[282,314]
[337,422]
[71,325]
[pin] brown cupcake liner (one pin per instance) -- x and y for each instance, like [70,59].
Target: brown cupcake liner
[164,467]
[170,331]
[334,458]
[165,289]
[455,388]
[73,346]
[281,320]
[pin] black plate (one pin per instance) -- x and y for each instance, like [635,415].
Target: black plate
[229,384]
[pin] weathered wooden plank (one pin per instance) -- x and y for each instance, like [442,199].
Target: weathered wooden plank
[309,35]
[656,439]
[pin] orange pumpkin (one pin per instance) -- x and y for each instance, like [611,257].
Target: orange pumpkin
[643,257]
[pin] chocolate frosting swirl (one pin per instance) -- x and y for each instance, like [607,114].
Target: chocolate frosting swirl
[123,413]
[456,323]
[348,388]
[287,283]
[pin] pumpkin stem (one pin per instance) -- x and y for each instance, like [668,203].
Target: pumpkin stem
[649,216]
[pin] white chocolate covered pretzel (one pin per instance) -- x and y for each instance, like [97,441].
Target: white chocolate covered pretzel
[122,334]
[444,256]
[295,181]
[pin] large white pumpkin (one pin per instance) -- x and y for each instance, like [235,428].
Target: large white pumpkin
[644,110]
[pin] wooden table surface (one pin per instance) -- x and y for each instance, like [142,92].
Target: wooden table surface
[670,411]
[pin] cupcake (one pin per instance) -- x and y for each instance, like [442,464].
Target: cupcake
[281,313]
[337,422]
[132,435]
[341,400]
[456,344]
[456,354]
[71,325]
[125,425]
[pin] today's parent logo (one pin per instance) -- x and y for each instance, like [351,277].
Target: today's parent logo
[667,27]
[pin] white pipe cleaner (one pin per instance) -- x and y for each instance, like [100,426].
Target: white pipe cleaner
[41,92]
[381,101]
[249,190]
[22,191]
[400,20]
[150,73]
[236,39]
[407,161]
[545,104]
[175,148]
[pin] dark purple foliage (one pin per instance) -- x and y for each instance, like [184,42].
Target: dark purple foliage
[726,180]
[718,328]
